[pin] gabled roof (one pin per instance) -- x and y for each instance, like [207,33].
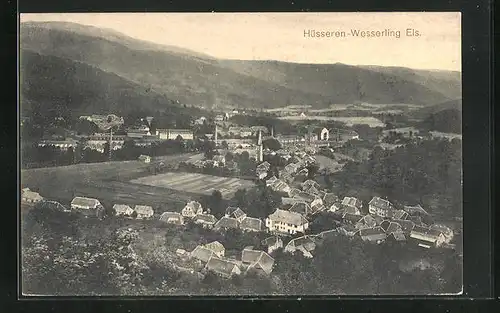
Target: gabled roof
[351,210]
[294,191]
[215,246]
[258,259]
[305,196]
[271,180]
[226,222]
[221,266]
[393,227]
[31,194]
[206,218]
[194,205]
[143,209]
[301,208]
[251,223]
[380,203]
[426,231]
[86,202]
[310,183]
[398,214]
[313,191]
[369,221]
[412,209]
[405,225]
[264,165]
[351,201]
[288,217]
[201,253]
[376,233]
[271,241]
[318,207]
[165,216]
[307,242]
[352,218]
[235,212]
[398,236]
[121,208]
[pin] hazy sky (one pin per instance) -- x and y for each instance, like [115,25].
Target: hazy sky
[280,36]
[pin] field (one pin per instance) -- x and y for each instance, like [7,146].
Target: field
[107,181]
[349,121]
[195,183]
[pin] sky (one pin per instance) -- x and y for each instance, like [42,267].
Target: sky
[283,36]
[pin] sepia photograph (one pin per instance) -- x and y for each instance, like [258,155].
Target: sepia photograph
[240,154]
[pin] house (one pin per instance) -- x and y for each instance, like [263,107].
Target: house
[303,172]
[251,224]
[236,213]
[291,168]
[202,254]
[376,234]
[281,186]
[273,243]
[426,237]
[398,214]
[256,129]
[264,166]
[60,144]
[206,220]
[143,211]
[317,207]
[138,133]
[335,207]
[286,222]
[122,210]
[192,209]
[287,178]
[310,183]
[330,198]
[173,134]
[259,260]
[29,196]
[216,247]
[406,132]
[339,134]
[271,180]
[445,230]
[353,203]
[226,223]
[172,218]
[406,226]
[145,158]
[261,174]
[220,160]
[301,208]
[390,227]
[369,221]
[85,203]
[322,133]
[293,192]
[181,252]
[415,210]
[307,197]
[350,218]
[380,207]
[397,236]
[223,267]
[304,244]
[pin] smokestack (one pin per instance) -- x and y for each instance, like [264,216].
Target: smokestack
[215,135]
[272,131]
[259,142]
[110,142]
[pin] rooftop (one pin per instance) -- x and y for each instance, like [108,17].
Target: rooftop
[251,223]
[288,217]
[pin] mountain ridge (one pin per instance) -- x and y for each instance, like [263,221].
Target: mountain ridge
[192,79]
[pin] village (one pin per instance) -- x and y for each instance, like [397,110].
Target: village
[285,170]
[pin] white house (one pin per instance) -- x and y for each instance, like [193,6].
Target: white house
[192,209]
[172,134]
[29,196]
[122,210]
[380,206]
[353,203]
[143,211]
[216,247]
[145,158]
[85,203]
[286,222]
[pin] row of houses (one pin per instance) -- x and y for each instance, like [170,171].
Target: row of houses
[213,256]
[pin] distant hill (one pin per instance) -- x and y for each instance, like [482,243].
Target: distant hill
[73,88]
[446,121]
[196,79]
[426,112]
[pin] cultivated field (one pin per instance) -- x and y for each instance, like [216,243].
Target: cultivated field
[195,183]
[349,121]
[107,181]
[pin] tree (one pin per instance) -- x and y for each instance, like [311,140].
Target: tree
[272,144]
[312,171]
[216,203]
[224,145]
